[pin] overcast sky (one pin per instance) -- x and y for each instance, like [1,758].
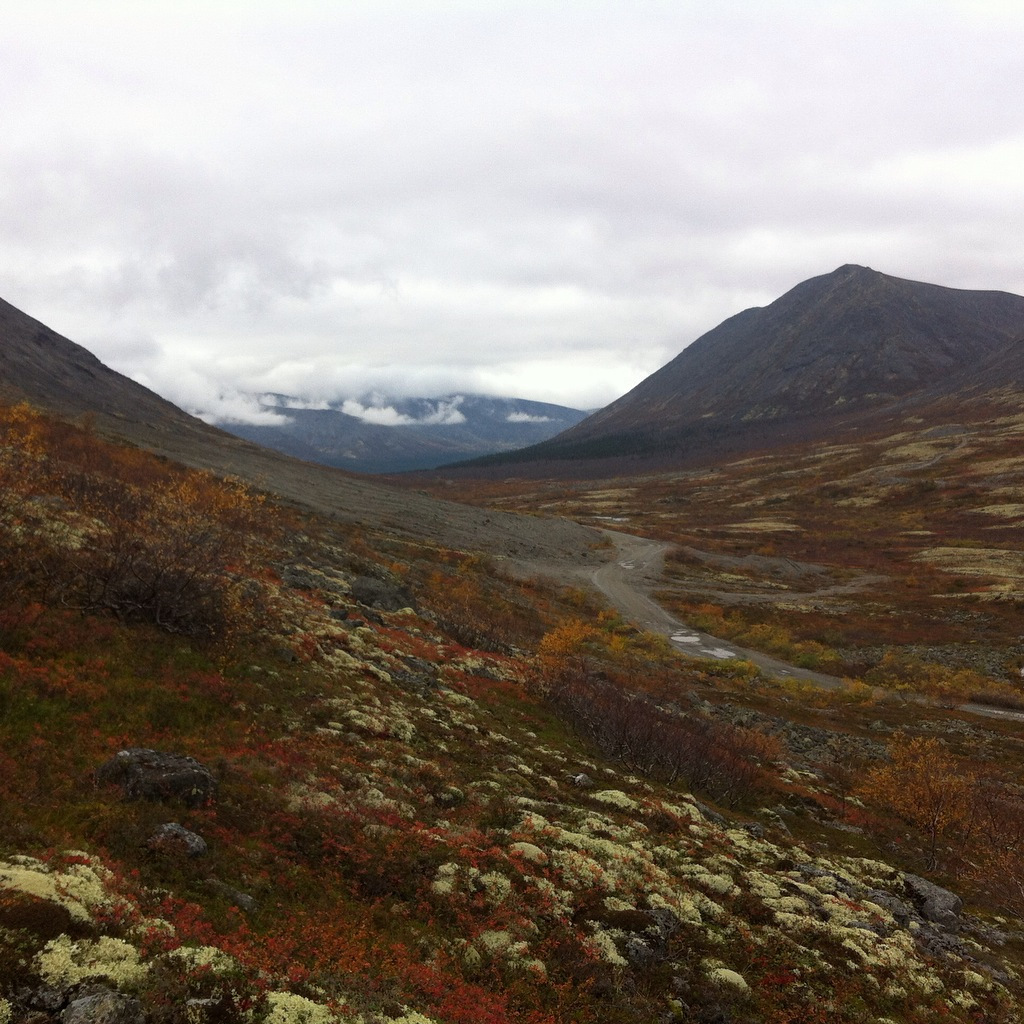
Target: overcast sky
[540,200]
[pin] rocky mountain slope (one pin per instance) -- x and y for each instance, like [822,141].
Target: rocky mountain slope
[56,374]
[373,781]
[418,433]
[837,350]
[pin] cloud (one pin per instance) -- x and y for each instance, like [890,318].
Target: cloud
[442,413]
[233,407]
[288,402]
[541,201]
[525,417]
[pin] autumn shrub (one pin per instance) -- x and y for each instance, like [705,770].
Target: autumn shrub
[925,785]
[562,651]
[174,556]
[474,609]
[721,760]
[970,819]
[903,670]
[997,863]
[105,528]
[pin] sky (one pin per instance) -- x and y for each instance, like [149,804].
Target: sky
[342,200]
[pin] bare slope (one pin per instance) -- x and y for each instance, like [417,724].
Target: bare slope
[51,372]
[830,352]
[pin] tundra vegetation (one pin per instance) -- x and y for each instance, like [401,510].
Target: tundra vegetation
[447,795]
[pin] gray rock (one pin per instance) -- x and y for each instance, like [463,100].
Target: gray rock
[102,1006]
[712,815]
[639,953]
[374,593]
[842,884]
[938,942]
[414,682]
[935,904]
[153,775]
[242,900]
[773,818]
[176,840]
[46,997]
[322,579]
[665,920]
[899,909]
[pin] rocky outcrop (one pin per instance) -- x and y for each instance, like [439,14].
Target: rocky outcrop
[101,1005]
[935,904]
[384,596]
[177,841]
[144,774]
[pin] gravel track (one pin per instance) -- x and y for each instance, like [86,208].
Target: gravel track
[622,567]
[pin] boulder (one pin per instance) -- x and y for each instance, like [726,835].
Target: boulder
[236,898]
[177,841]
[374,593]
[100,1005]
[900,909]
[935,904]
[153,775]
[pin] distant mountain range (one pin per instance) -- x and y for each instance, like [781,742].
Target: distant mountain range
[837,351]
[47,369]
[377,434]
[850,350]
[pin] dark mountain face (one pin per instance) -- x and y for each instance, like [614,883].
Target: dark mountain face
[40,366]
[847,344]
[431,431]
[54,374]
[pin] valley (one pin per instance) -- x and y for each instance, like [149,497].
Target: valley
[284,745]
[835,555]
[440,784]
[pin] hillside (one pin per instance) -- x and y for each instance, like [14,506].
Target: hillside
[309,750]
[304,772]
[423,434]
[55,374]
[837,351]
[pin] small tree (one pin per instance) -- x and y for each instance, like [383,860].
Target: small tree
[561,654]
[925,785]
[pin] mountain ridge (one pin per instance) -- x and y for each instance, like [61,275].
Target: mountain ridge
[825,354]
[49,371]
[410,434]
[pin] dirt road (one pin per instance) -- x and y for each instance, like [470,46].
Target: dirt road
[626,581]
[635,570]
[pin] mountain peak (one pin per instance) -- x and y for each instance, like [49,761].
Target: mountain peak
[847,344]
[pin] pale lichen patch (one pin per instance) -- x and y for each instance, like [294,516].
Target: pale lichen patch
[64,962]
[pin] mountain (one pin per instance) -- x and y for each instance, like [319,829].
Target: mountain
[55,374]
[410,433]
[42,367]
[834,351]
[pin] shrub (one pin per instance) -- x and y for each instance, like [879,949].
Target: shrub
[99,527]
[718,759]
[925,785]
